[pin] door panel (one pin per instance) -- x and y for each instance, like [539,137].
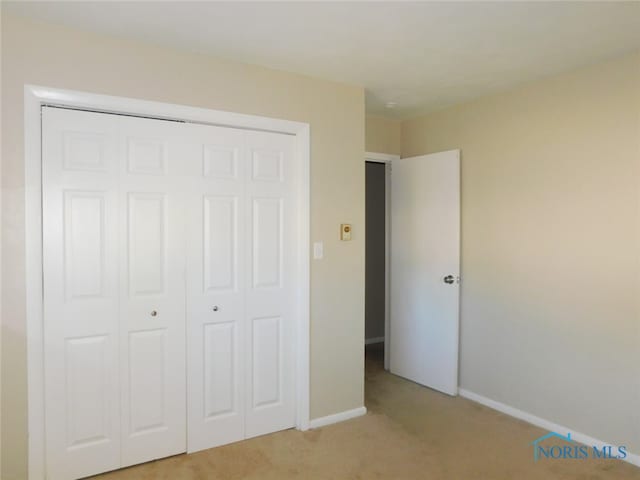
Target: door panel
[147,213]
[271,221]
[267,242]
[84,244]
[146,155]
[85,150]
[80,283]
[267,164]
[215,287]
[152,328]
[220,161]
[87,391]
[425,248]
[147,374]
[220,243]
[267,364]
[220,371]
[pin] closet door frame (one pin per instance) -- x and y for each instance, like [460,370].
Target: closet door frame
[35,97]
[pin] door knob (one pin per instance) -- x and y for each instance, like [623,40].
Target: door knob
[215,308]
[154,313]
[449,279]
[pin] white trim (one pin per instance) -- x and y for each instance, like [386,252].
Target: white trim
[33,275]
[387,267]
[387,159]
[303,326]
[338,417]
[34,98]
[631,458]
[167,111]
[380,157]
[370,341]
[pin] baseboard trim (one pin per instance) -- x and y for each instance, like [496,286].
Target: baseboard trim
[337,417]
[631,458]
[369,341]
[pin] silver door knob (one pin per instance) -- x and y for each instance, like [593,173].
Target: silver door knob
[154,313]
[449,279]
[215,308]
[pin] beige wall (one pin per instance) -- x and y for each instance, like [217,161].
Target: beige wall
[550,312]
[382,135]
[64,58]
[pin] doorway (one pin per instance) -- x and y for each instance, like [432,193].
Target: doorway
[375,260]
[413,251]
[378,221]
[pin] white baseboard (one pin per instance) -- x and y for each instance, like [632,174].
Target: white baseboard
[369,341]
[631,458]
[337,417]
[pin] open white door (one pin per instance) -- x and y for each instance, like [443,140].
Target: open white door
[425,268]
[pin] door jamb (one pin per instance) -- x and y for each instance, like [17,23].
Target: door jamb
[386,159]
[37,96]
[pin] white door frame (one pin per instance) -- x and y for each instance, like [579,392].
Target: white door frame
[385,158]
[34,98]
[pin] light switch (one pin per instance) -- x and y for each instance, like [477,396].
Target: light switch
[345,232]
[318,251]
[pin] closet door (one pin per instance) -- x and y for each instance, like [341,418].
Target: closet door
[271,251]
[169,257]
[152,280]
[114,194]
[216,286]
[242,241]
[81,288]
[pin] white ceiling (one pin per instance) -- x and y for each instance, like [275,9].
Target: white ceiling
[424,56]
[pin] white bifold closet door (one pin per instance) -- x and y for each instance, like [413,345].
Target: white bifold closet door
[240,286]
[152,191]
[81,263]
[168,288]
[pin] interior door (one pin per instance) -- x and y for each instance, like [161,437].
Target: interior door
[152,190]
[271,249]
[114,295]
[425,269]
[81,305]
[241,254]
[216,286]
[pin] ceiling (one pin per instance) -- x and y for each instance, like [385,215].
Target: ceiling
[422,56]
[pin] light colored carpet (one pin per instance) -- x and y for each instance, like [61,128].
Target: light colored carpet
[410,433]
[357,449]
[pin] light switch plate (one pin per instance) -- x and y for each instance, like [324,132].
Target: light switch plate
[345,232]
[318,250]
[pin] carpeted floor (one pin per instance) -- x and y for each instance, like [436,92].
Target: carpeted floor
[410,433]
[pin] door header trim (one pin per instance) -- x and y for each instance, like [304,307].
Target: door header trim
[380,157]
